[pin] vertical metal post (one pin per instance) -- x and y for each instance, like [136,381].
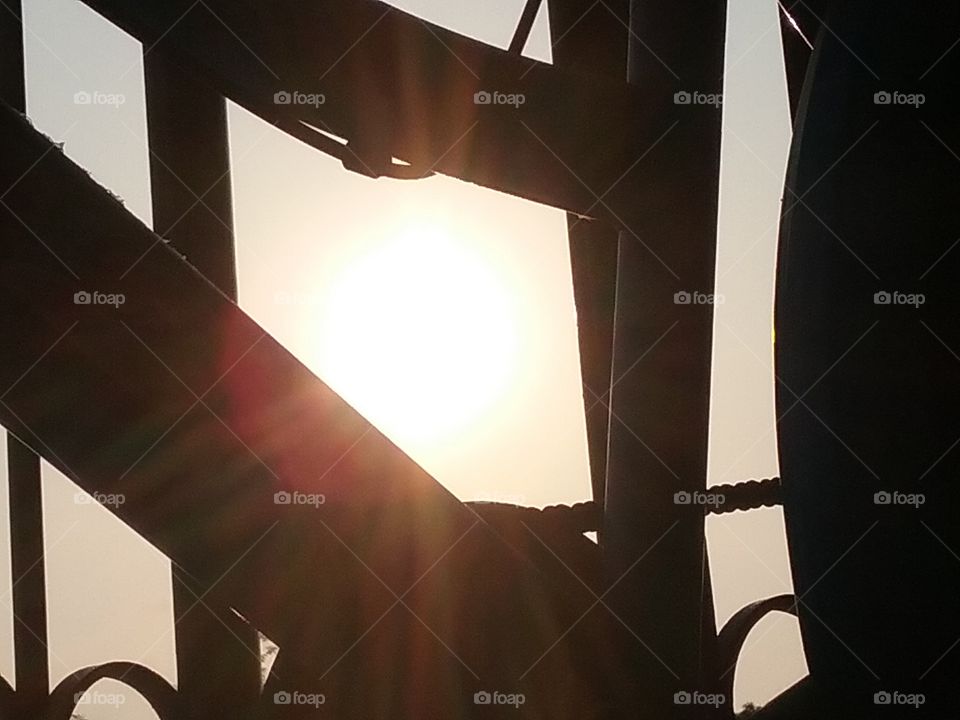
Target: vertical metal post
[29,577]
[12,72]
[592,38]
[218,664]
[653,540]
[23,466]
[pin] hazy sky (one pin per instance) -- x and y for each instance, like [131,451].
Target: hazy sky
[495,413]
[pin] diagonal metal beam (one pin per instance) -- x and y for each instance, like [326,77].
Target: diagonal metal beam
[178,402]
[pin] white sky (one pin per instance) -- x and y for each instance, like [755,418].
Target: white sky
[300,221]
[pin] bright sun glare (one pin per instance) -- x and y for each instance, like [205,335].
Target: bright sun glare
[419,333]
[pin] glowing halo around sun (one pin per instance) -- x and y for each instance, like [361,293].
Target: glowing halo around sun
[418,332]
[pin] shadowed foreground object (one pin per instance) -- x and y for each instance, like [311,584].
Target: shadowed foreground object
[867,361]
[365,567]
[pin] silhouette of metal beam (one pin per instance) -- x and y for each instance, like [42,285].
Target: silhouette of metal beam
[660,385]
[393,84]
[13,89]
[240,465]
[218,654]
[27,561]
[591,38]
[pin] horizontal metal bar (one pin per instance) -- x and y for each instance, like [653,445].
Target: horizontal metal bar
[396,85]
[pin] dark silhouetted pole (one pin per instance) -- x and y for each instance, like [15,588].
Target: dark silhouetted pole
[23,466]
[660,391]
[592,38]
[217,653]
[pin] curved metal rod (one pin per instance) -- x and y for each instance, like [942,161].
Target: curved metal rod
[158,692]
[734,633]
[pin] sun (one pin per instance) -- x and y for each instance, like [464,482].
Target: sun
[418,332]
